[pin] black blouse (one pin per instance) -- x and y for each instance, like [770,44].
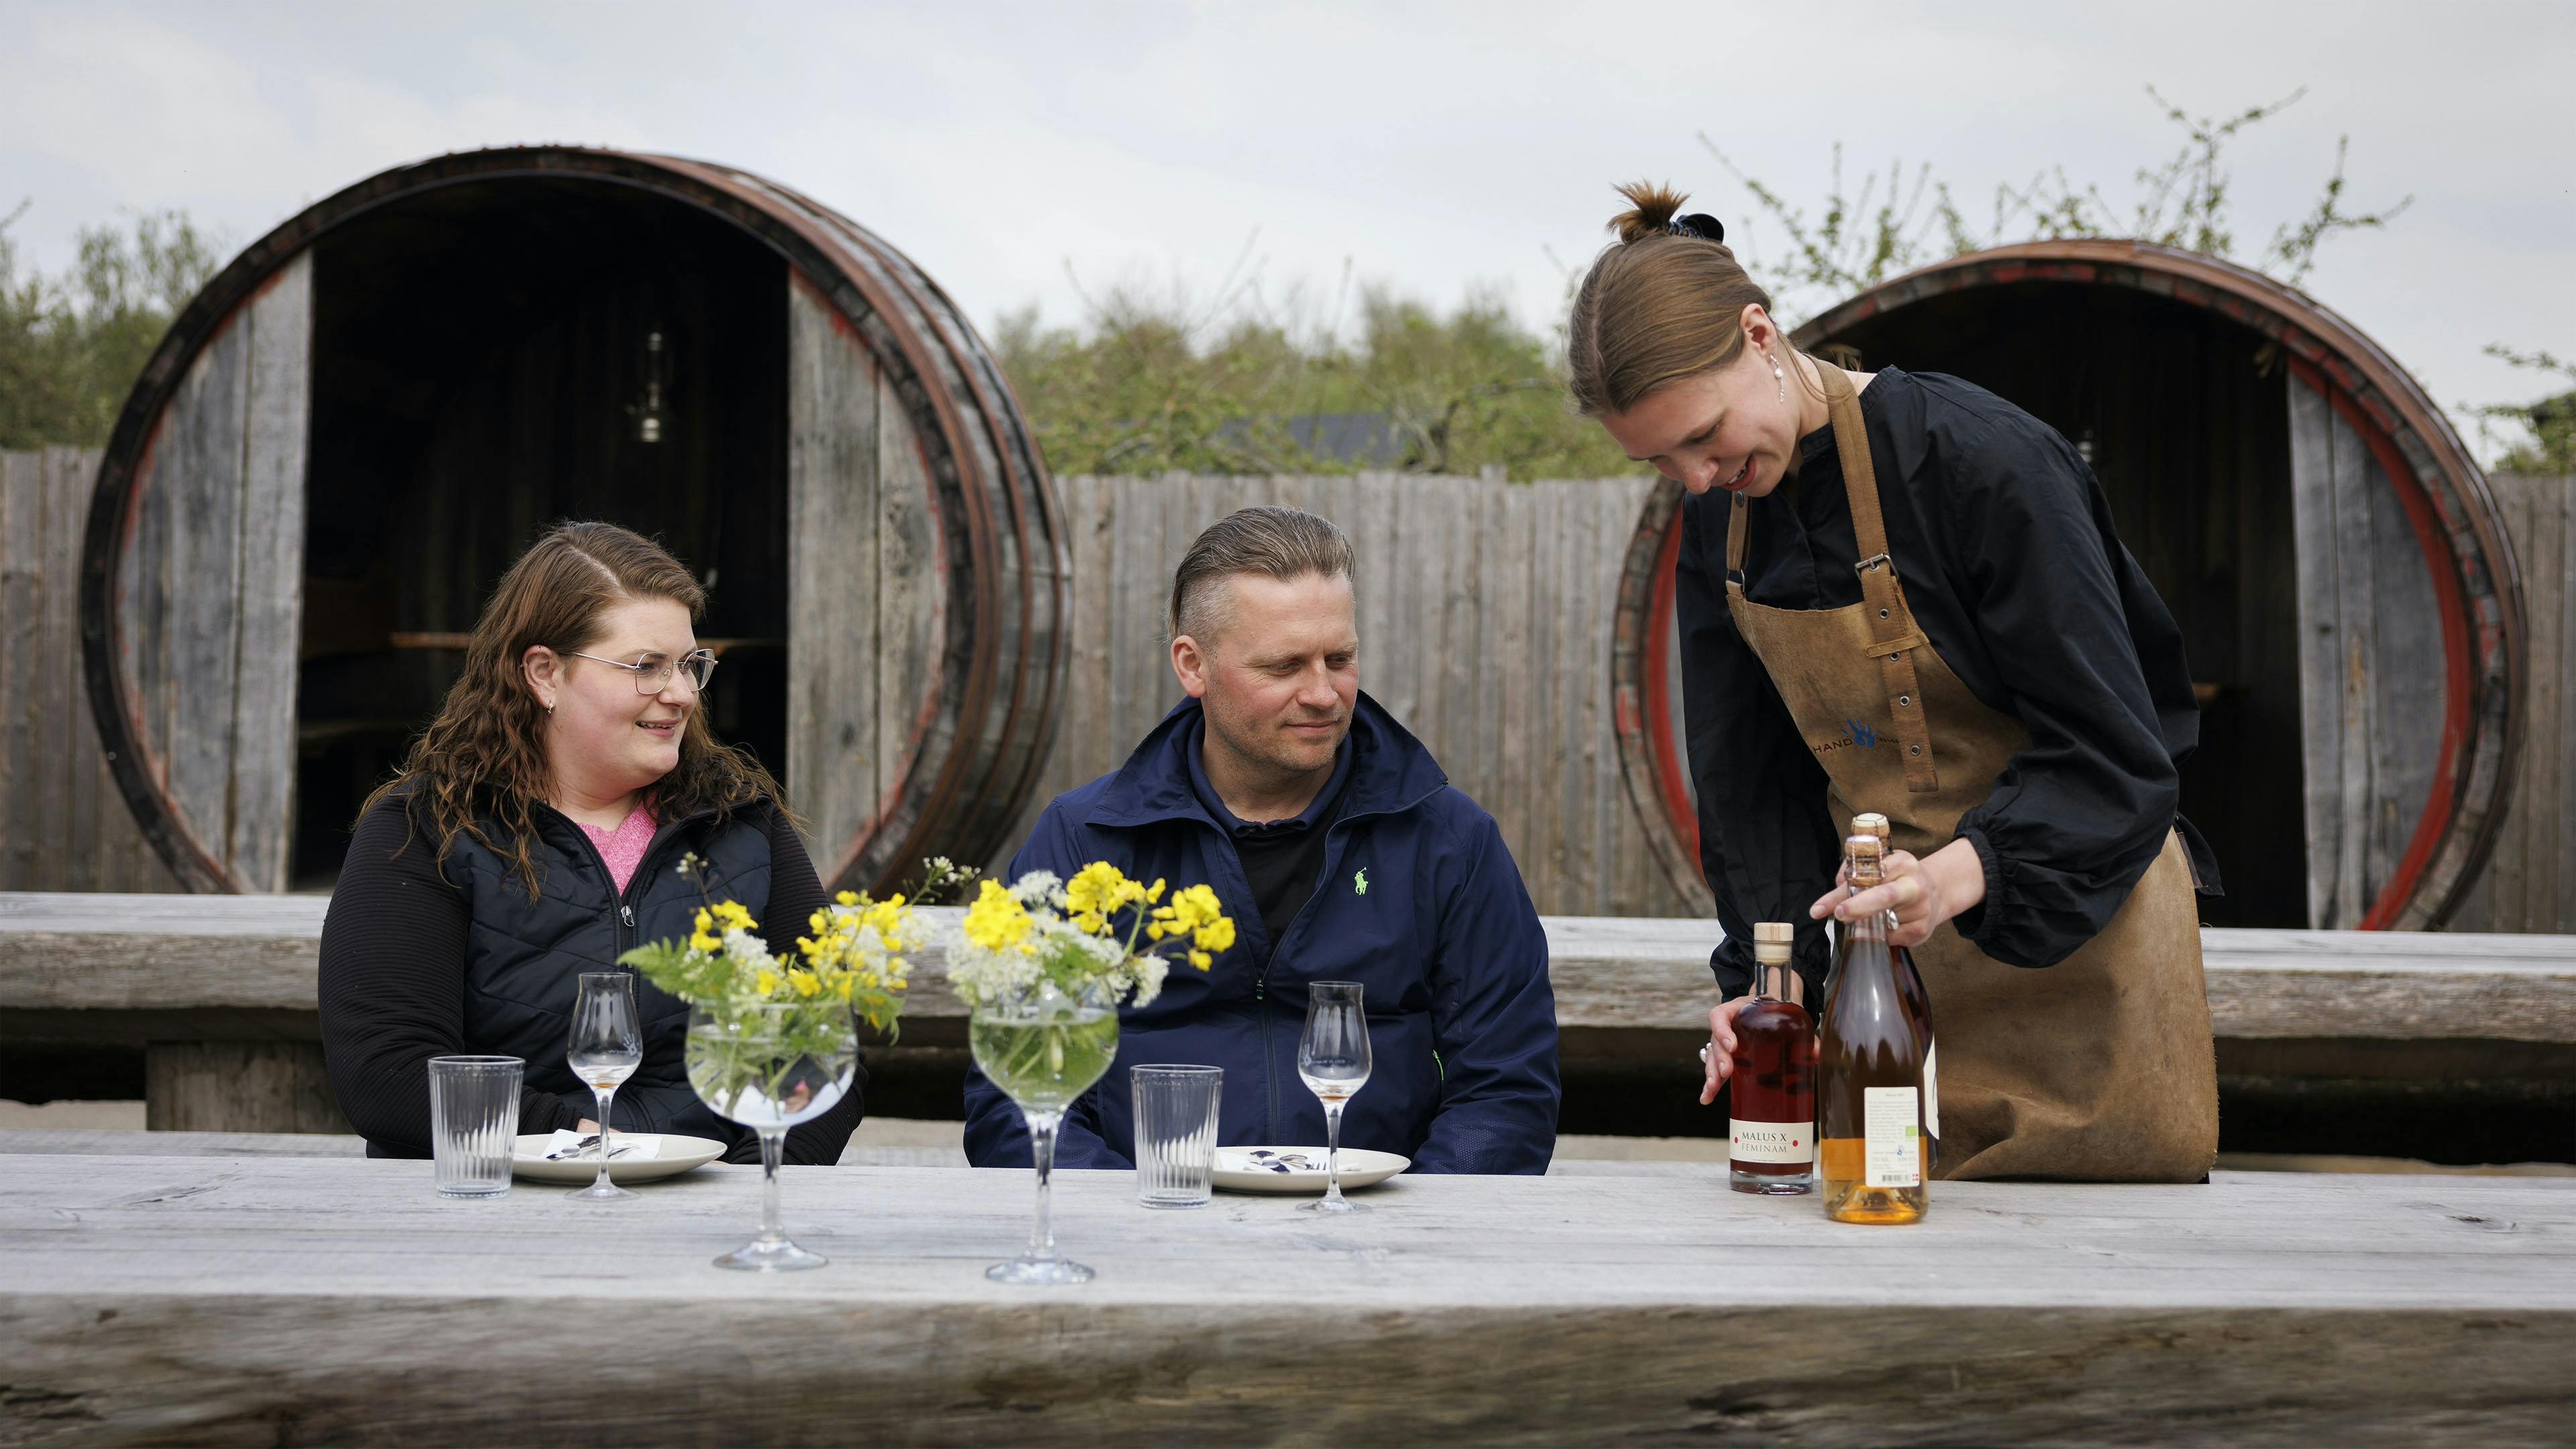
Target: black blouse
[392,985]
[2003,540]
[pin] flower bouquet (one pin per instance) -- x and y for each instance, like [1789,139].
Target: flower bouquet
[771,1040]
[1043,964]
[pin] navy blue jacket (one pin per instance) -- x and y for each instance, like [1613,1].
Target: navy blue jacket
[1443,939]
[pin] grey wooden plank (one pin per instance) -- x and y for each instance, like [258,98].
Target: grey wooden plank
[2322,650]
[2262,1308]
[53,681]
[834,512]
[912,620]
[1575,880]
[69,477]
[2541,787]
[2407,683]
[249,1086]
[269,607]
[2357,878]
[22,661]
[1507,684]
[109,1142]
[196,488]
[2558,639]
[1083,734]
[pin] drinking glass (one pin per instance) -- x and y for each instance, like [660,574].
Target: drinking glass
[1176,1112]
[1333,1057]
[1044,1048]
[473,1123]
[606,1046]
[770,1066]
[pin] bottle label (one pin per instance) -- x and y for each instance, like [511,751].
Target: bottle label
[1771,1141]
[1893,1155]
[1931,1094]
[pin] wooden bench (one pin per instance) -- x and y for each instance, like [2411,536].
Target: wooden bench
[220,992]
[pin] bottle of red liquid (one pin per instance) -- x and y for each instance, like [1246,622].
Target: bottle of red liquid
[1771,1099]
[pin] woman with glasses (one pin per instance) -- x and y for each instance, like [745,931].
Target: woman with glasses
[534,833]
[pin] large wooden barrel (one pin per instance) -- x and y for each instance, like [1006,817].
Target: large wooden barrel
[2346,590]
[352,430]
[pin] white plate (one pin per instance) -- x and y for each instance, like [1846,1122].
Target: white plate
[678,1154]
[1260,1169]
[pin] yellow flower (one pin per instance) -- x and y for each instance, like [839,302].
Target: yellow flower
[734,916]
[805,982]
[765,982]
[1195,912]
[1098,891]
[847,898]
[997,921]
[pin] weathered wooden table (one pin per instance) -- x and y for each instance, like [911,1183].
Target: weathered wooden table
[299,1300]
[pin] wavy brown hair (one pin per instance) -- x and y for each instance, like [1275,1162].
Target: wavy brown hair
[1656,307]
[480,768]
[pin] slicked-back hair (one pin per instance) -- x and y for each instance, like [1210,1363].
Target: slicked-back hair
[1282,543]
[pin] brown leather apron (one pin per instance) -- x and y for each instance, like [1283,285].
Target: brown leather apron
[2099,1068]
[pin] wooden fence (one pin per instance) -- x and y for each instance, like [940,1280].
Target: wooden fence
[1485,621]
[1485,627]
[63,824]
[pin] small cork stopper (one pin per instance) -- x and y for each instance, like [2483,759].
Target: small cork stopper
[1870,823]
[1771,941]
[1866,851]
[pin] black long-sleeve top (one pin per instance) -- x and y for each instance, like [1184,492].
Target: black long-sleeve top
[2004,543]
[393,981]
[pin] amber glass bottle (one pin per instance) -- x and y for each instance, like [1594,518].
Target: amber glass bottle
[1771,1098]
[1870,822]
[1871,1050]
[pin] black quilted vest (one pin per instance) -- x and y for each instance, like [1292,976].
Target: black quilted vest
[522,956]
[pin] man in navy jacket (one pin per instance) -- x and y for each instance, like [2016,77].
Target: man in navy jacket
[1342,853]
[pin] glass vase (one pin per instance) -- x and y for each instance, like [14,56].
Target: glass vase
[1044,1048]
[769,1067]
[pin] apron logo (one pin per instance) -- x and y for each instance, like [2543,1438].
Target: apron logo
[1359,882]
[1854,733]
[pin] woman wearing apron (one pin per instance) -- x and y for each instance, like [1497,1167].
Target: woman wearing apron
[1899,593]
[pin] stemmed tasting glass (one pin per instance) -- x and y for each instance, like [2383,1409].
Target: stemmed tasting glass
[605,1048]
[1333,1057]
[770,1066]
[1044,1048]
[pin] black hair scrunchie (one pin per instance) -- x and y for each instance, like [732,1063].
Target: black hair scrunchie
[1699,224]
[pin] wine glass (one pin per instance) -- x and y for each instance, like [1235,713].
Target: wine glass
[606,1045]
[1333,1057]
[1044,1048]
[769,1066]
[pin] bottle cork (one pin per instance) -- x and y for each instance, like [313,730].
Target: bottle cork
[1771,942]
[1870,823]
[1865,853]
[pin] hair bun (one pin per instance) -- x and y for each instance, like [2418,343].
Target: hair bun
[1654,204]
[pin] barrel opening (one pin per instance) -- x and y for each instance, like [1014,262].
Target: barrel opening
[2184,415]
[495,355]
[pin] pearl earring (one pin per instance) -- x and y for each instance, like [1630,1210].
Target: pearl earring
[1778,380]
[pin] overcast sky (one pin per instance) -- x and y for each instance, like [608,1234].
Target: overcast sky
[1432,147]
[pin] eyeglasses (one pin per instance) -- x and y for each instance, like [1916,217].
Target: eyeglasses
[653,671]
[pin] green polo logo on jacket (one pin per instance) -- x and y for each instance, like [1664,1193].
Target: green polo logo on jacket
[1359,882]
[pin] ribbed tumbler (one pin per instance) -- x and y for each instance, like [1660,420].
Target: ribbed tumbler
[1176,1110]
[473,1123]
